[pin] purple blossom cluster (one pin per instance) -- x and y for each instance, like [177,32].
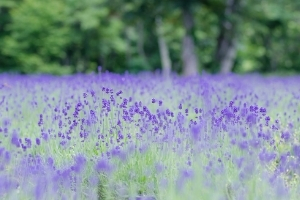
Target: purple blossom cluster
[62,134]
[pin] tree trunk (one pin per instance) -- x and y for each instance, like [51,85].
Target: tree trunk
[102,61]
[227,40]
[163,50]
[128,43]
[189,57]
[141,43]
[227,61]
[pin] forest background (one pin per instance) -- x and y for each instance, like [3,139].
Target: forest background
[184,36]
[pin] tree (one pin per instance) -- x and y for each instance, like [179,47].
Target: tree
[149,15]
[229,17]
[54,36]
[6,62]
[269,36]
[163,49]
[189,56]
[227,40]
[96,36]
[155,9]
[76,36]
[37,36]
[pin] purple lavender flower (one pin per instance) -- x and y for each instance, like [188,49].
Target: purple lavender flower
[196,132]
[103,166]
[296,150]
[286,136]
[15,139]
[118,93]
[37,141]
[80,162]
[160,103]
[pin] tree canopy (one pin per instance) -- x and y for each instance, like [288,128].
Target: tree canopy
[218,36]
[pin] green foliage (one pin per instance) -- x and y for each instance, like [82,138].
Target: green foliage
[38,36]
[69,36]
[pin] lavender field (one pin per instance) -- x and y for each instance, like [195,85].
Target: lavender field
[109,136]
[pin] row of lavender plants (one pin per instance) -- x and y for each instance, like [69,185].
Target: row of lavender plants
[108,136]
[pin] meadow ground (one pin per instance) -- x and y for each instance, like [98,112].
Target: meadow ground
[109,136]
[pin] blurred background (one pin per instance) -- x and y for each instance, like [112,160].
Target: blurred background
[183,36]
